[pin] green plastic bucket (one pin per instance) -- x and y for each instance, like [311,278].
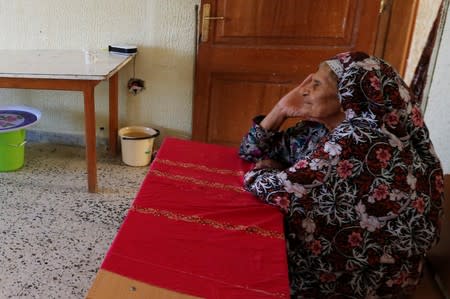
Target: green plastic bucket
[12,150]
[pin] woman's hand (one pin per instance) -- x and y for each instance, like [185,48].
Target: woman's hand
[290,105]
[269,163]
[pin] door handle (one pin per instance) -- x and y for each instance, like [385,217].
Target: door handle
[206,17]
[382,6]
[213,18]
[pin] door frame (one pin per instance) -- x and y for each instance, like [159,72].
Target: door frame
[395,32]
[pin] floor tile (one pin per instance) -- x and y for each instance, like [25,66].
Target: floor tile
[53,233]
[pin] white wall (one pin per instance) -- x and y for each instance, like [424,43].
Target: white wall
[162,29]
[164,33]
[437,114]
[426,13]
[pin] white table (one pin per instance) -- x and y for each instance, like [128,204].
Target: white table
[67,70]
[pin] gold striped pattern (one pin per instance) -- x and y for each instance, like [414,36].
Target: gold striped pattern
[186,179]
[200,167]
[209,222]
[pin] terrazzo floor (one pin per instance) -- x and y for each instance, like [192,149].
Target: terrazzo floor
[53,233]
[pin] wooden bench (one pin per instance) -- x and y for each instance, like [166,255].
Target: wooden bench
[193,231]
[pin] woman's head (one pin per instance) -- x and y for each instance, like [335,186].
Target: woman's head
[375,97]
[369,86]
[356,84]
[320,97]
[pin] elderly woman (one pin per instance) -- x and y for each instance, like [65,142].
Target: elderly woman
[359,182]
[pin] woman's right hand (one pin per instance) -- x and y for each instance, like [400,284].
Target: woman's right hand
[292,104]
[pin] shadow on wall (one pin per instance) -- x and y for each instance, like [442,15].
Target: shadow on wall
[166,132]
[167,100]
[14,96]
[63,111]
[165,61]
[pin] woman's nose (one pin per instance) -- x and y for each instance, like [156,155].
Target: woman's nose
[304,91]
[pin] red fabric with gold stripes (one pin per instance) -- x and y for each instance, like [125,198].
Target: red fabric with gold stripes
[193,229]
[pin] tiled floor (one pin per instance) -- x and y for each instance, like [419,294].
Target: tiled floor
[53,233]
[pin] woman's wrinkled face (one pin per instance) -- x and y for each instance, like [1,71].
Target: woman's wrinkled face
[320,97]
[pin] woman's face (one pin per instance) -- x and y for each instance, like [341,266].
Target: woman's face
[320,98]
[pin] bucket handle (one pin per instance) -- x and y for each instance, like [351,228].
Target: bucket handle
[17,145]
[146,137]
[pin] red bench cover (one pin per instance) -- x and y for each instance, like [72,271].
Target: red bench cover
[193,229]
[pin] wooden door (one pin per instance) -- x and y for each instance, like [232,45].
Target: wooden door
[395,30]
[257,50]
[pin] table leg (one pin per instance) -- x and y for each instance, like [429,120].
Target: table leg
[113,113]
[89,127]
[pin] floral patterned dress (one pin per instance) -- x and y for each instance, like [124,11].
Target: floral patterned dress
[362,202]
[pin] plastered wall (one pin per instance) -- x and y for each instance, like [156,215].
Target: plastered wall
[163,32]
[426,13]
[437,114]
